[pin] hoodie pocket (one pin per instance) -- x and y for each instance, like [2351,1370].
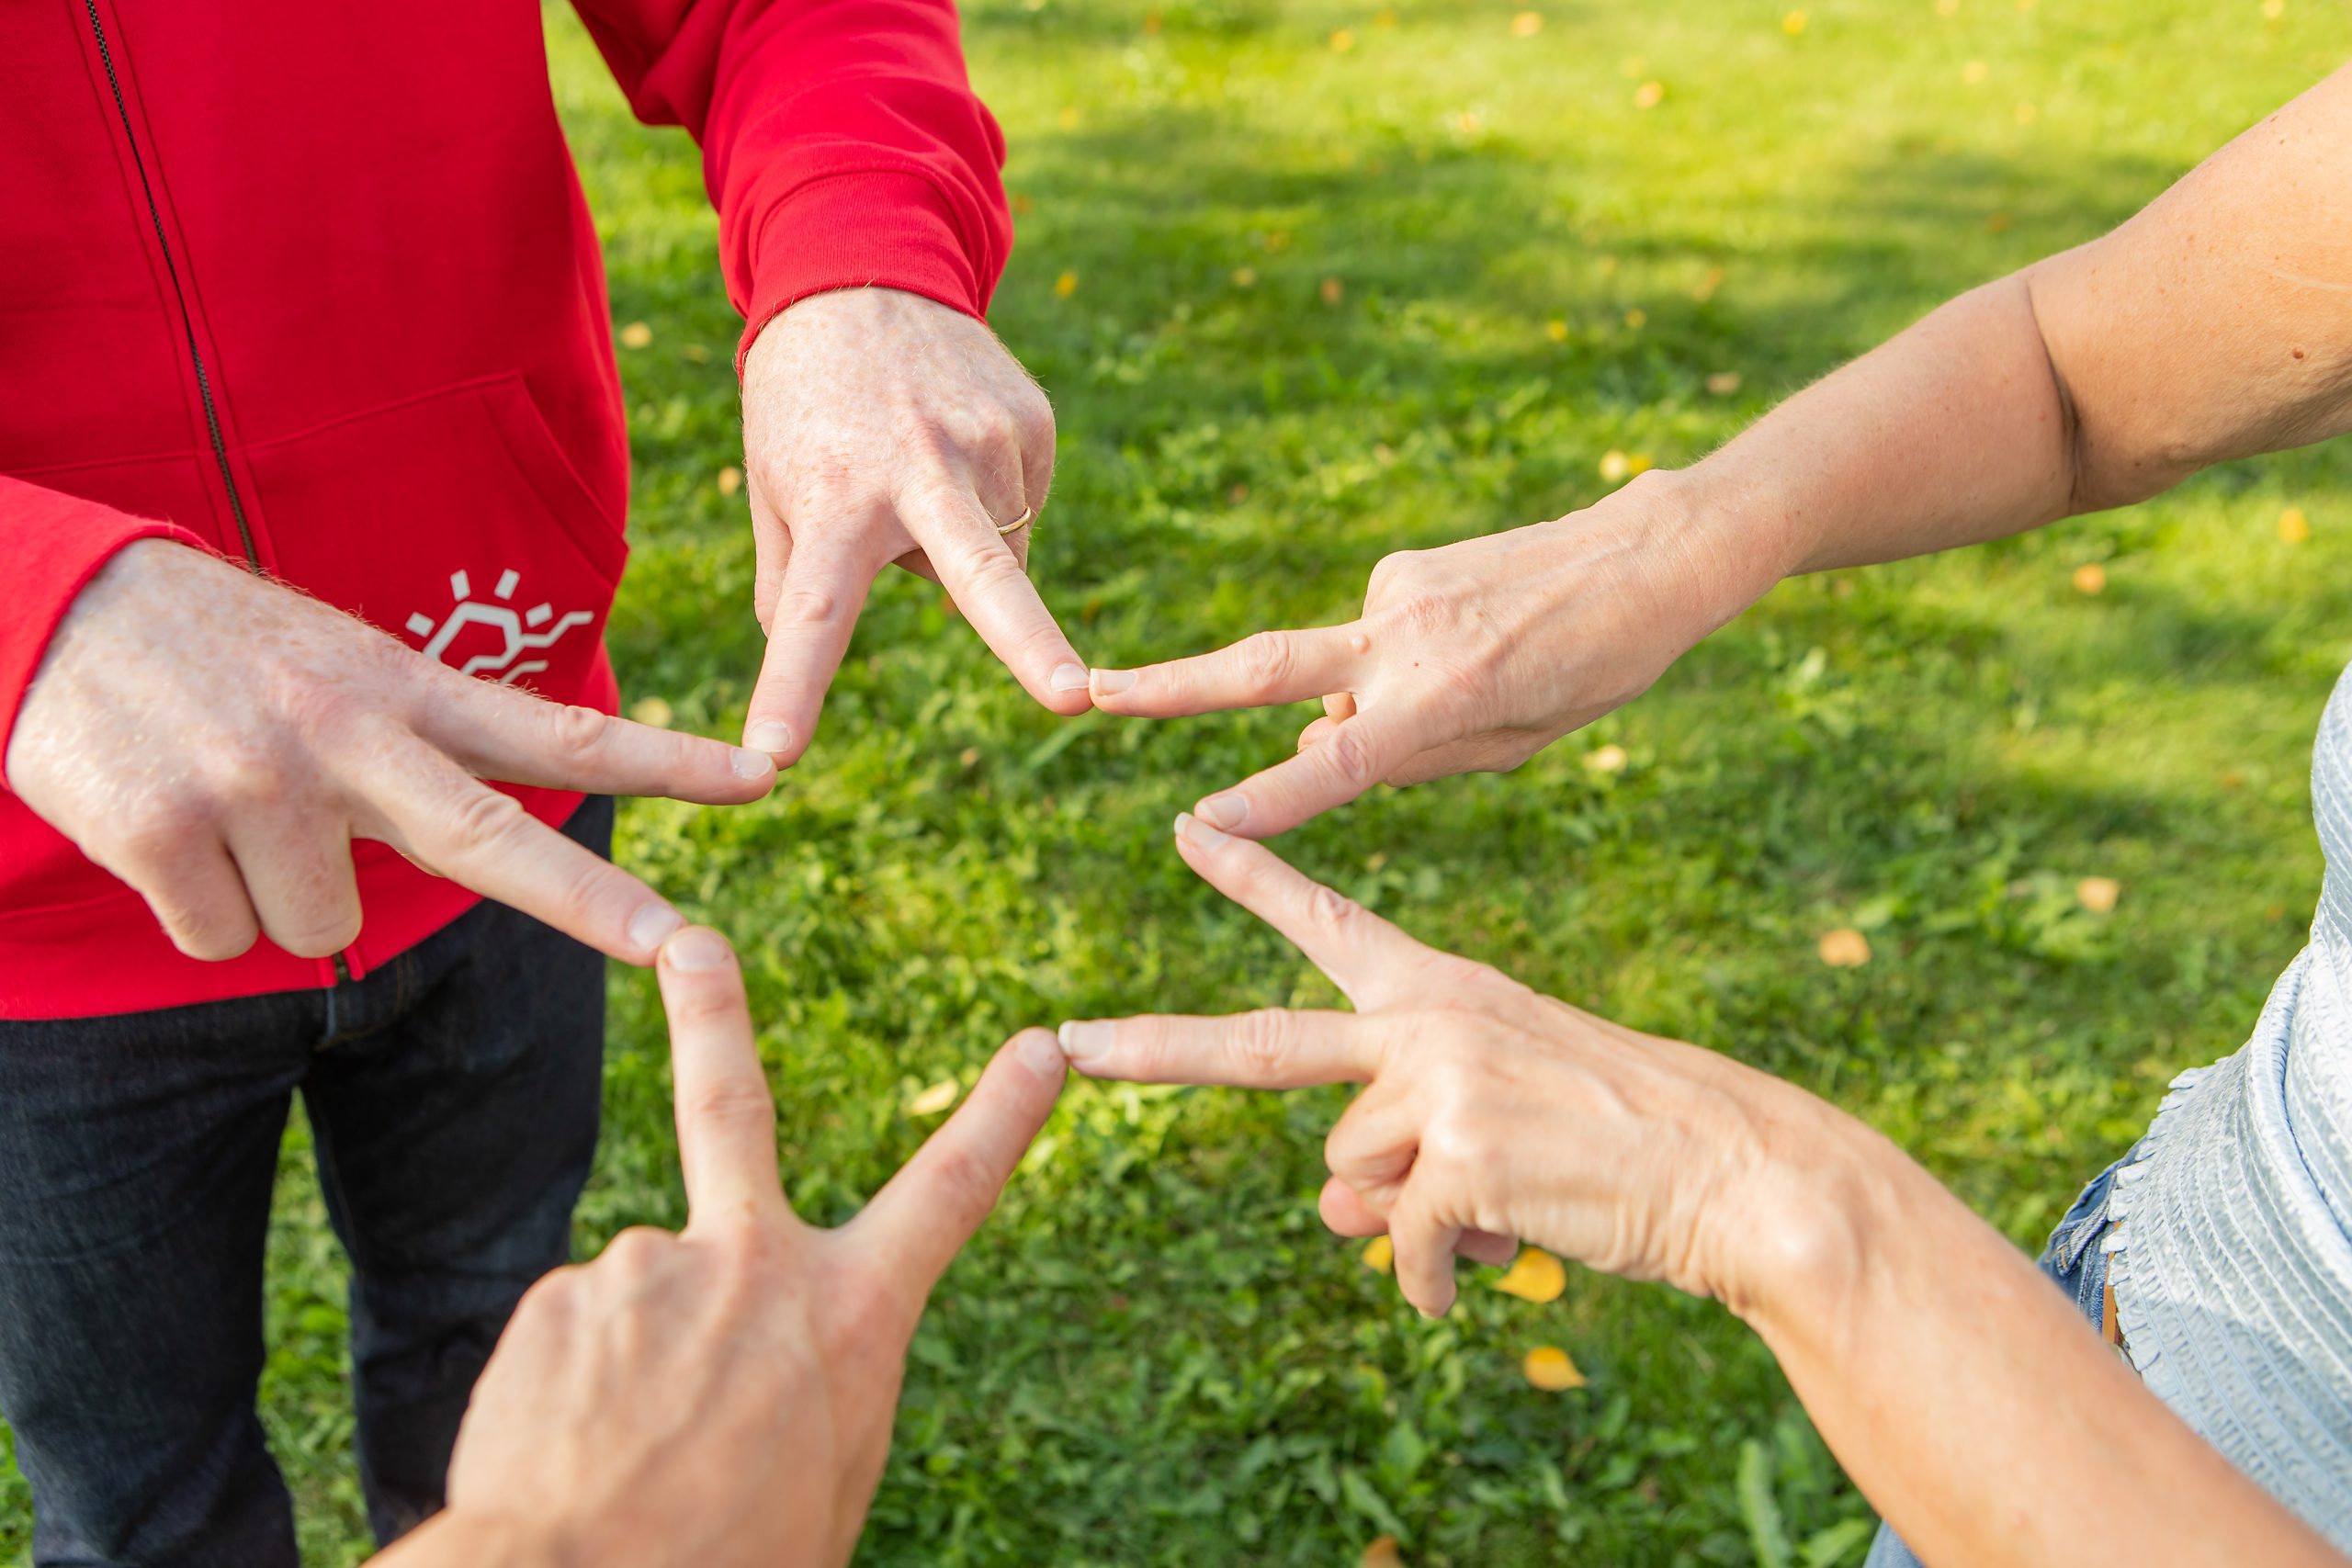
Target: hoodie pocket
[455,521]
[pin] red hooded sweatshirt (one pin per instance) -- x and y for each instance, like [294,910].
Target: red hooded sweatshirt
[314,286]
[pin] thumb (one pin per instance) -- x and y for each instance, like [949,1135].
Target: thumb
[917,1224]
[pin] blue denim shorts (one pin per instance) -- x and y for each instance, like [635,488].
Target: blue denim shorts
[2077,1265]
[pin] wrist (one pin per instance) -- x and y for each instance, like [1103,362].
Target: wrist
[1747,541]
[1802,1252]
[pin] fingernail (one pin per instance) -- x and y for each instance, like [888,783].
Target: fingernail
[1227,810]
[750,764]
[1066,678]
[653,925]
[1192,830]
[1110,682]
[1085,1043]
[696,952]
[1040,1052]
[771,737]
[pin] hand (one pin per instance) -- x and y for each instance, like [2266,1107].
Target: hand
[216,741]
[1468,658]
[725,1396]
[879,426]
[1489,1107]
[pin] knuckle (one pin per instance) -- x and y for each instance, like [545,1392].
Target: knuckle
[964,1185]
[158,831]
[805,606]
[1260,1041]
[575,730]
[636,1252]
[733,1103]
[1424,613]
[1348,754]
[1389,568]
[1266,660]
[479,820]
[1335,910]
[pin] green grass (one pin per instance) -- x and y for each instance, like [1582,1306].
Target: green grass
[1154,1355]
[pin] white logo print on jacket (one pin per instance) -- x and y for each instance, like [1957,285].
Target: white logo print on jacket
[506,661]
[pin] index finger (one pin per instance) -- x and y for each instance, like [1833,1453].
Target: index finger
[1370,960]
[725,1113]
[516,738]
[1263,669]
[1272,1048]
[927,1212]
[985,578]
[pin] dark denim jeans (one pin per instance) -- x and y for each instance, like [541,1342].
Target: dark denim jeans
[453,1096]
[2075,1262]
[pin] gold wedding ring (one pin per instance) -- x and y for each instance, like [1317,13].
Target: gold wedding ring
[1028,515]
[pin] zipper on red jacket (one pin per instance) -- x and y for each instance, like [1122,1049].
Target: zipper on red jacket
[171,269]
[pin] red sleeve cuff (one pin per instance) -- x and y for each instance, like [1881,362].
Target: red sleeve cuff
[881,228]
[53,544]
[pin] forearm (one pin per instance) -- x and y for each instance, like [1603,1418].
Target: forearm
[1954,433]
[1974,1408]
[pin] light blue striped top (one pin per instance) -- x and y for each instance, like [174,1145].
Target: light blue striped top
[2233,1247]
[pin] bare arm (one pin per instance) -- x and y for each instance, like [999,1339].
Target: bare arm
[2215,324]
[1972,1405]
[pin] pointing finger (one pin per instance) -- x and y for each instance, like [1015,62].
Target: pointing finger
[501,733]
[1260,671]
[1366,957]
[985,578]
[1273,1048]
[932,1207]
[725,1112]
[424,804]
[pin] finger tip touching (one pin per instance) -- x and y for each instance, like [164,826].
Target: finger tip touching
[693,953]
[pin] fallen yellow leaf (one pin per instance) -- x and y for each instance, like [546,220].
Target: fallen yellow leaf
[936,1098]
[1845,948]
[1527,24]
[2090,578]
[1549,1368]
[2293,526]
[1383,1553]
[1380,1255]
[637,334]
[730,479]
[1064,286]
[1535,1276]
[2099,894]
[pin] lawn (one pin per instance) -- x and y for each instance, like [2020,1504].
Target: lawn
[1310,282]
